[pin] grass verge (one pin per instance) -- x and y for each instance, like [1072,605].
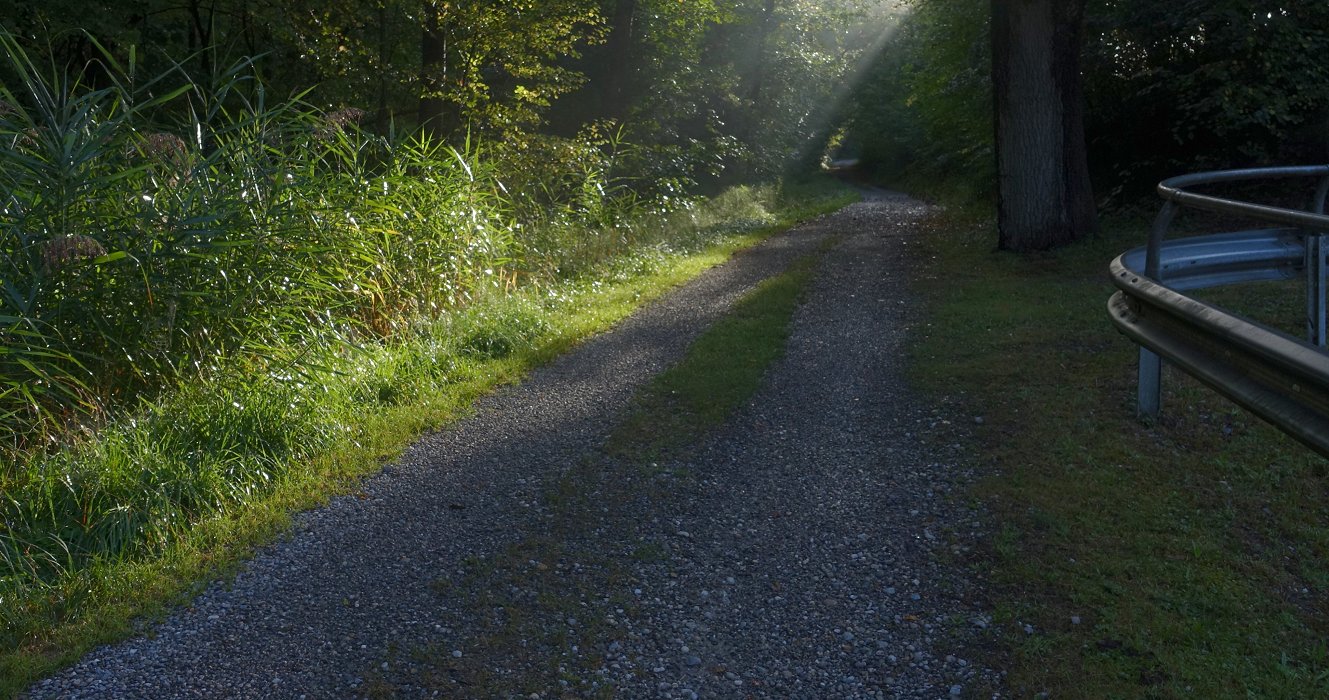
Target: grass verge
[362,412]
[1189,558]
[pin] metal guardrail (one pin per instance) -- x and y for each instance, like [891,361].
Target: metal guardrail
[1282,379]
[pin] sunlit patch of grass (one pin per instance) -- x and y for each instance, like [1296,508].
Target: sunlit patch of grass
[721,370]
[1193,552]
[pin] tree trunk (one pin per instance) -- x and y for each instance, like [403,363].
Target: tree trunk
[754,80]
[438,116]
[1044,195]
[200,36]
[381,115]
[618,50]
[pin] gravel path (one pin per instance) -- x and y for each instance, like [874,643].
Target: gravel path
[811,548]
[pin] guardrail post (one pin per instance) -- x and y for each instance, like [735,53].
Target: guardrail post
[1153,259]
[1149,389]
[1315,289]
[1315,272]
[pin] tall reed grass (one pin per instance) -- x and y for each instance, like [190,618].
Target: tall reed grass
[203,286]
[149,234]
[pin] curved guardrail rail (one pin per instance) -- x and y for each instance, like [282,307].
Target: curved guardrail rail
[1282,379]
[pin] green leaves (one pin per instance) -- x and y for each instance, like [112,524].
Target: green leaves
[149,235]
[1223,83]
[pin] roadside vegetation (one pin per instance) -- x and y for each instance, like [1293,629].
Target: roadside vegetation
[1189,558]
[1181,559]
[220,307]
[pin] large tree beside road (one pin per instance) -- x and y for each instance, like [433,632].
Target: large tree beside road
[1044,197]
[1168,88]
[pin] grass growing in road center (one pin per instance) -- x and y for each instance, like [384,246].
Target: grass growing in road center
[721,370]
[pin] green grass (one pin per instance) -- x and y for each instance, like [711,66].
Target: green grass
[1194,552]
[186,486]
[721,370]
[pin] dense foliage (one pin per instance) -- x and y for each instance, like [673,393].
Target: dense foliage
[187,182]
[711,84]
[231,233]
[1170,87]
[134,257]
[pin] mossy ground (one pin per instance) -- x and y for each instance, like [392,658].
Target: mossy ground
[1188,558]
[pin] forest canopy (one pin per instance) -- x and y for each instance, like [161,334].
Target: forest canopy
[724,90]
[733,86]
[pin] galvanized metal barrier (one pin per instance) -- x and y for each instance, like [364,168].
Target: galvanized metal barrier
[1282,379]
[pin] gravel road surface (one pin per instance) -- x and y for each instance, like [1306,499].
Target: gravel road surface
[813,547]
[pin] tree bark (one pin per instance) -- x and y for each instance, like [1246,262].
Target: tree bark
[1045,198]
[438,116]
[200,36]
[618,50]
[382,117]
[754,80]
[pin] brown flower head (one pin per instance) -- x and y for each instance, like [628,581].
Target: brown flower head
[63,251]
[168,154]
[30,138]
[336,121]
[164,148]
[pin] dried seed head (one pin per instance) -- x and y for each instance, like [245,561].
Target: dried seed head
[336,121]
[30,138]
[165,148]
[63,251]
[168,154]
[346,116]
